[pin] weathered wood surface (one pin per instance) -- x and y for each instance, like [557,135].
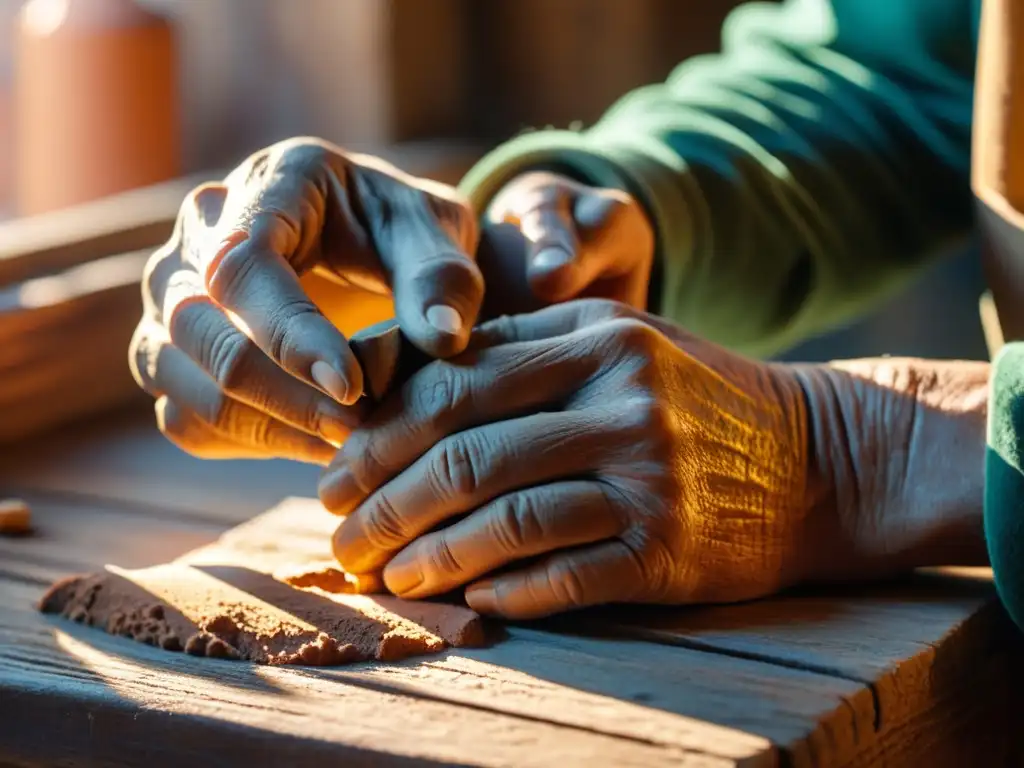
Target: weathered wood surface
[923,673]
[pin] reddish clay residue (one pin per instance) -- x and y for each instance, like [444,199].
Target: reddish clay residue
[231,612]
[15,518]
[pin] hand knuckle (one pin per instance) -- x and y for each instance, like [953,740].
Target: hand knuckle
[219,411]
[230,353]
[234,271]
[384,527]
[442,392]
[300,154]
[285,329]
[441,559]
[365,459]
[632,335]
[516,524]
[140,358]
[652,554]
[604,310]
[157,271]
[648,416]
[455,467]
[172,421]
[566,585]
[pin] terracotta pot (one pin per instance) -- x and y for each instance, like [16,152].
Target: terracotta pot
[95,100]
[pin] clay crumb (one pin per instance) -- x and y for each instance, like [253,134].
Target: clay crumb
[222,627]
[15,518]
[218,649]
[78,614]
[196,645]
[171,643]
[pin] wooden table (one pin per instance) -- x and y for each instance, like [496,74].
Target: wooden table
[922,673]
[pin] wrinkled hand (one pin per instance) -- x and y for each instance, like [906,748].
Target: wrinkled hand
[241,362]
[586,242]
[593,453]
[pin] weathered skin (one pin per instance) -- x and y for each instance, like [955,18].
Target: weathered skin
[583,453]
[240,361]
[640,463]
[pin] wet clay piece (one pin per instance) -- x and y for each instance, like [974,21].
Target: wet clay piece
[15,518]
[225,601]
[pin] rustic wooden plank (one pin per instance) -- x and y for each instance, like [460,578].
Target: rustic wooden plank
[646,694]
[32,246]
[64,339]
[86,696]
[71,537]
[924,650]
[643,693]
[916,644]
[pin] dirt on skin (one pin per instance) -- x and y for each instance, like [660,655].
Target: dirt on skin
[233,612]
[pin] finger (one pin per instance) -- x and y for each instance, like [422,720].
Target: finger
[426,240]
[523,524]
[616,246]
[543,214]
[204,332]
[195,436]
[443,399]
[464,472]
[168,372]
[609,572]
[246,263]
[550,322]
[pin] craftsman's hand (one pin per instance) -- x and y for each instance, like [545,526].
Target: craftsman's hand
[603,454]
[240,360]
[585,242]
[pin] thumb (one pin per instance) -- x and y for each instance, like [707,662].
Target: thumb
[568,252]
[553,248]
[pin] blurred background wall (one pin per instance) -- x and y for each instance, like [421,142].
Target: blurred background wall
[372,73]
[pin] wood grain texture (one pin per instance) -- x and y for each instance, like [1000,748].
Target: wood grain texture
[921,673]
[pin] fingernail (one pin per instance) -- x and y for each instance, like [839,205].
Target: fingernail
[403,575]
[550,259]
[482,597]
[331,428]
[338,490]
[446,319]
[332,382]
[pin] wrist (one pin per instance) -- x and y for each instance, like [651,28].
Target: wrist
[895,475]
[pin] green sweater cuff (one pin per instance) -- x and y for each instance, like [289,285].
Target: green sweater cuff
[1004,479]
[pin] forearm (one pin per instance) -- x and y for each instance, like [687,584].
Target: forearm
[897,457]
[779,217]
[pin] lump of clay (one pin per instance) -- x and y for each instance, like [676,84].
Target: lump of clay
[267,592]
[230,612]
[15,518]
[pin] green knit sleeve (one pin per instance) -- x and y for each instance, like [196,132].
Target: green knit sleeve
[795,178]
[1004,479]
